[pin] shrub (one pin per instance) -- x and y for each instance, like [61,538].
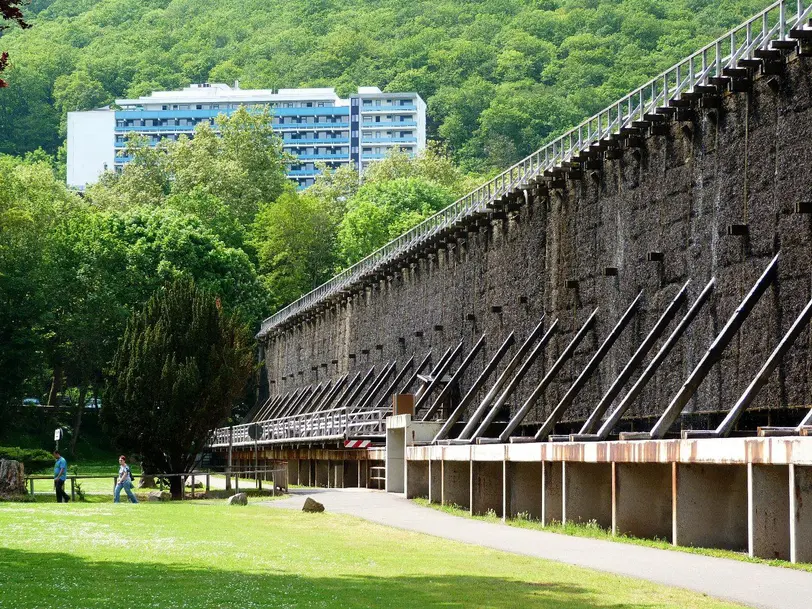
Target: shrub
[32,458]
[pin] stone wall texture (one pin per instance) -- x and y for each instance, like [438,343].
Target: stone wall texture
[748,162]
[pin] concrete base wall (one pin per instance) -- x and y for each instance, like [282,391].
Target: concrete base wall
[588,493]
[487,488]
[768,511]
[552,500]
[710,507]
[642,500]
[435,481]
[457,483]
[417,479]
[801,513]
[523,489]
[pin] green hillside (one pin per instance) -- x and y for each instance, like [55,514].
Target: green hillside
[499,76]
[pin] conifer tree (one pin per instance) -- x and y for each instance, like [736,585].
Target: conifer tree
[180,366]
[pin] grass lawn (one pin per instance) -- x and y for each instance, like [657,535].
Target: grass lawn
[207,554]
[596,532]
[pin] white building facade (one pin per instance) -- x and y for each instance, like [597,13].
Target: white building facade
[314,124]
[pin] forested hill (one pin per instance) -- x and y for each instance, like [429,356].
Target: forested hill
[499,76]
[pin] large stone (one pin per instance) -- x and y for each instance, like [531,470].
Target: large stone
[238,499]
[311,505]
[12,479]
[159,496]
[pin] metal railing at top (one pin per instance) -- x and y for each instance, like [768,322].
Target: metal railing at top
[772,24]
[335,423]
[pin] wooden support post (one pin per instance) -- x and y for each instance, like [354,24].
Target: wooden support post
[473,422]
[455,378]
[437,376]
[481,379]
[586,373]
[511,386]
[413,378]
[565,355]
[712,355]
[380,404]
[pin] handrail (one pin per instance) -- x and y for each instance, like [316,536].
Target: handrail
[708,62]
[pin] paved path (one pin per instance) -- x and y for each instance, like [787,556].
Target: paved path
[751,584]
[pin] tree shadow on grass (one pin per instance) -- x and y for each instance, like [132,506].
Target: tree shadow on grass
[46,580]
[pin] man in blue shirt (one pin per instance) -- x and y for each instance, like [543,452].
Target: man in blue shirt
[60,475]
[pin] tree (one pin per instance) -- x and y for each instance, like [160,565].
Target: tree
[294,238]
[9,11]
[381,211]
[182,363]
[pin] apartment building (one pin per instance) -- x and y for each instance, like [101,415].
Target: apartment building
[315,125]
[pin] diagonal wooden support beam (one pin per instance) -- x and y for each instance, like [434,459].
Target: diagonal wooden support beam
[283,405]
[269,404]
[617,385]
[339,401]
[758,382]
[613,419]
[330,396]
[381,403]
[772,432]
[318,397]
[375,387]
[565,355]
[304,405]
[712,355]
[455,378]
[478,383]
[514,382]
[413,378]
[473,422]
[586,373]
[437,376]
[295,404]
[356,392]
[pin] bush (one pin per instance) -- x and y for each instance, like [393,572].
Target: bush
[32,458]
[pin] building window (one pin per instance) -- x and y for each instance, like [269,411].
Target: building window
[215,106]
[199,107]
[164,107]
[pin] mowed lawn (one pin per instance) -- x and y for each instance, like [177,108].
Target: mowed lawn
[208,554]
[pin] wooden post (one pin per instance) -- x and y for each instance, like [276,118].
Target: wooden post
[208,477]
[193,486]
[230,447]
[72,488]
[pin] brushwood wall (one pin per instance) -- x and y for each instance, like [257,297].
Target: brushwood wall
[748,162]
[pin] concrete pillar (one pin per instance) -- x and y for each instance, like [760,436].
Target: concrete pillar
[337,470]
[322,473]
[436,481]
[523,489]
[588,493]
[552,497]
[800,520]
[710,506]
[417,479]
[457,483]
[486,487]
[768,511]
[641,501]
[304,478]
[293,471]
[350,474]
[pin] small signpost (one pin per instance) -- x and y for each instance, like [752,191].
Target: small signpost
[57,436]
[255,433]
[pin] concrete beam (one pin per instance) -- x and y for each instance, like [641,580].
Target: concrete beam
[587,493]
[768,511]
[642,501]
[710,506]
[487,487]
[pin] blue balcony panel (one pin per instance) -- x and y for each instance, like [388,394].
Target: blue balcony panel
[370,109]
[386,140]
[213,112]
[328,142]
[380,125]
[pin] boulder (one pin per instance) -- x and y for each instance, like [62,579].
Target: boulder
[159,496]
[311,505]
[12,479]
[238,499]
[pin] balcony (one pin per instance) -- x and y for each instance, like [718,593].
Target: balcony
[388,125]
[297,173]
[328,142]
[387,140]
[327,156]
[375,109]
[306,126]
[157,128]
